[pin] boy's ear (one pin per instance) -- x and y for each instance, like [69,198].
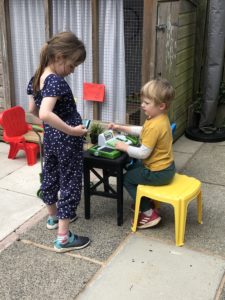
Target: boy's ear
[162,106]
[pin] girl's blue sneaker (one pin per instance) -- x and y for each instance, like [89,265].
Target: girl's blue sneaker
[74,242]
[53,223]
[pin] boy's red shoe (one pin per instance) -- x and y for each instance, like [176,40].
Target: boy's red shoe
[145,221]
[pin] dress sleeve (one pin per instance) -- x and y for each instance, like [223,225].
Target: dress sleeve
[30,87]
[54,86]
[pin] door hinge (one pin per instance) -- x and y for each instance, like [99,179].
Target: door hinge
[161,27]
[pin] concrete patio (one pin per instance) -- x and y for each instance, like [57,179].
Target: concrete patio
[118,264]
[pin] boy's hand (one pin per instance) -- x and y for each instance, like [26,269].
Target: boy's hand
[113,126]
[121,146]
[79,130]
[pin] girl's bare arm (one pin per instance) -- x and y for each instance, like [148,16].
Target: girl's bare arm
[47,115]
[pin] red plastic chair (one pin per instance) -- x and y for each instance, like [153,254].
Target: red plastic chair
[14,128]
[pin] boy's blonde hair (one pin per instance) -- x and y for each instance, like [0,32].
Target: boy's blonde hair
[158,90]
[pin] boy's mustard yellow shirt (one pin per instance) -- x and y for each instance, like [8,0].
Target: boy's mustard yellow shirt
[157,134]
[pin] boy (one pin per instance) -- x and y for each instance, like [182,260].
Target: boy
[155,164]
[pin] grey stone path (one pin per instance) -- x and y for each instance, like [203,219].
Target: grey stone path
[118,264]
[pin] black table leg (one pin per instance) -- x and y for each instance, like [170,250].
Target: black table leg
[109,168]
[106,180]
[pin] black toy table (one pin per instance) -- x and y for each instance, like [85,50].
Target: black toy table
[110,167]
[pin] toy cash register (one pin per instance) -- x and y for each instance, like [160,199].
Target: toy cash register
[106,144]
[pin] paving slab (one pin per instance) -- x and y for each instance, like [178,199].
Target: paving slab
[16,208]
[222,295]
[221,143]
[147,269]
[208,164]
[186,145]
[204,161]
[183,151]
[28,272]
[4,148]
[25,179]
[181,159]
[9,165]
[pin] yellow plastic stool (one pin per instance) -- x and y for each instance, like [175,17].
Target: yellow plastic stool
[179,193]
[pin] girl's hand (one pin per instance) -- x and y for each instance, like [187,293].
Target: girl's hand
[113,126]
[79,130]
[121,146]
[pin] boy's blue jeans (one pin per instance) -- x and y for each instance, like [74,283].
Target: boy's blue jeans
[138,174]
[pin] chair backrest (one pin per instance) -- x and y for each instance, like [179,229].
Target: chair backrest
[173,127]
[13,121]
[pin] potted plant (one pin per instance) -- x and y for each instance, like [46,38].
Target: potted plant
[95,130]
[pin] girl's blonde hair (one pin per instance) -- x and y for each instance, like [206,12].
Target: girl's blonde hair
[65,43]
[158,90]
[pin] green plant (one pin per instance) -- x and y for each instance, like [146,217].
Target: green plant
[96,128]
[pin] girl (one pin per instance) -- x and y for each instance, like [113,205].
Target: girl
[51,99]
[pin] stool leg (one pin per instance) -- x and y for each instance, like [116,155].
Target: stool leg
[199,203]
[178,225]
[136,212]
[183,219]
